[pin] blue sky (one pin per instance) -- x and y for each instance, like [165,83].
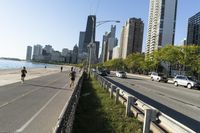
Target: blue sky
[58,22]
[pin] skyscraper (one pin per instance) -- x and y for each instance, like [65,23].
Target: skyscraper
[132,37]
[161,24]
[89,32]
[75,54]
[81,41]
[108,43]
[97,43]
[193,34]
[28,53]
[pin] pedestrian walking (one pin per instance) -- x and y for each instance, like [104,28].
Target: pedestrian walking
[72,77]
[71,69]
[23,74]
[61,68]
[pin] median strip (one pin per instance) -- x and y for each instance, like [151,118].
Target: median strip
[96,112]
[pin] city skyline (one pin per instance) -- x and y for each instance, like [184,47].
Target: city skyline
[59,23]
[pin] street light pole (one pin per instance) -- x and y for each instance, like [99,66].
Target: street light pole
[92,40]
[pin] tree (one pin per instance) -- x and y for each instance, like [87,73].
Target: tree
[134,62]
[115,64]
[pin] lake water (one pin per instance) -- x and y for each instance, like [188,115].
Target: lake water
[12,64]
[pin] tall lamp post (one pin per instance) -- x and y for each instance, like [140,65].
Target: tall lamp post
[91,44]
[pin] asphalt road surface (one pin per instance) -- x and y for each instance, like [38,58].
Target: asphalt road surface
[180,103]
[35,106]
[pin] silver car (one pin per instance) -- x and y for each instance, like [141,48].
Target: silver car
[121,74]
[185,81]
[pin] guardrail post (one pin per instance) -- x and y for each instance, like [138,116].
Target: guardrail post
[101,82]
[111,90]
[117,96]
[104,83]
[107,88]
[150,115]
[128,105]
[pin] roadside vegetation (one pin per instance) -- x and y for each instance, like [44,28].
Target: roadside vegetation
[180,58]
[97,113]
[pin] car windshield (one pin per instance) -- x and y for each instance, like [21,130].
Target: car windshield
[160,74]
[190,78]
[121,72]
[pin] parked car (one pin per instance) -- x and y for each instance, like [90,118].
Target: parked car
[121,74]
[158,77]
[94,70]
[185,81]
[107,71]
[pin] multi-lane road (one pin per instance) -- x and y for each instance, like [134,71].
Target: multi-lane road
[35,106]
[178,102]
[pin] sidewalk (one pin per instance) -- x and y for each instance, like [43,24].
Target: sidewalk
[10,76]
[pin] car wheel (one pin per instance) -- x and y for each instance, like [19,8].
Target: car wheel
[189,86]
[175,83]
[158,80]
[151,78]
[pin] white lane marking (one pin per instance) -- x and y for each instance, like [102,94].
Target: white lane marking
[15,99]
[62,112]
[65,85]
[34,116]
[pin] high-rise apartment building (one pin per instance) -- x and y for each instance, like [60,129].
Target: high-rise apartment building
[193,34]
[28,53]
[48,49]
[37,49]
[161,24]
[37,52]
[89,32]
[132,37]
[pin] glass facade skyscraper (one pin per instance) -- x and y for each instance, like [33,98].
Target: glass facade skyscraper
[193,34]
[90,32]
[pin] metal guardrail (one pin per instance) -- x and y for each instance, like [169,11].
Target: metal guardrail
[152,118]
[66,118]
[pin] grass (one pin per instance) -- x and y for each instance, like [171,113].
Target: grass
[97,113]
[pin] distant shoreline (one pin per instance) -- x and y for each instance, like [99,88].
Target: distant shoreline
[15,59]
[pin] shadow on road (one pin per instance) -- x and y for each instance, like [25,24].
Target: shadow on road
[48,87]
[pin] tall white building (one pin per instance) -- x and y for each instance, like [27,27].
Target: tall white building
[28,53]
[37,52]
[161,24]
[116,52]
[108,43]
